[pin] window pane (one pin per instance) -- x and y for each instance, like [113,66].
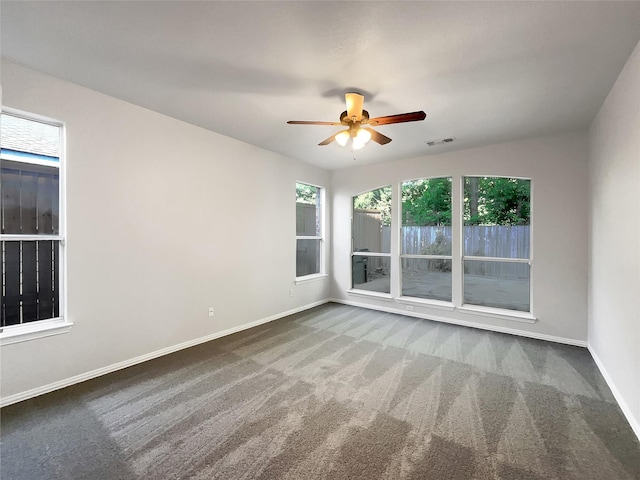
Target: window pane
[372,221]
[502,241]
[426,240]
[497,217]
[29,198]
[426,201]
[307,257]
[30,270]
[26,135]
[426,278]
[371,273]
[307,210]
[426,217]
[497,284]
[496,201]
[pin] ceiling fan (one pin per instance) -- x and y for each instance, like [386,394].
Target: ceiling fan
[358,124]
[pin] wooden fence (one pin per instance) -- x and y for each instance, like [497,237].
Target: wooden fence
[502,241]
[30,268]
[307,251]
[369,235]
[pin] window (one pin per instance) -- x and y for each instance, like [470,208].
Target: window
[496,255]
[309,230]
[371,241]
[462,243]
[425,239]
[31,226]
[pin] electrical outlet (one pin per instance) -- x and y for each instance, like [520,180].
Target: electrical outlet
[291,292]
[212,312]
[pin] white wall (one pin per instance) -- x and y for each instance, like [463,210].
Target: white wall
[614,207]
[164,219]
[557,166]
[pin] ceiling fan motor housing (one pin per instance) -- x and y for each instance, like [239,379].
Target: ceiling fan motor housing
[345,120]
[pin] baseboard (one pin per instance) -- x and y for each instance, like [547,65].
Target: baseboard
[633,422]
[464,323]
[19,397]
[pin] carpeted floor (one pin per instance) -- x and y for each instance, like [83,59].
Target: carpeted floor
[335,392]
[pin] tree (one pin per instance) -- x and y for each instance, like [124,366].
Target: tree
[306,193]
[497,201]
[426,202]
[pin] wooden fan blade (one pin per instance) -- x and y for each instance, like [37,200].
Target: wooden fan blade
[355,102]
[378,137]
[399,118]
[328,140]
[305,122]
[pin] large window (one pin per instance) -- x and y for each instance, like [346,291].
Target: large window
[425,239]
[371,241]
[31,227]
[496,255]
[309,230]
[458,243]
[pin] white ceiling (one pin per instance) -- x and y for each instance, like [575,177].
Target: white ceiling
[485,72]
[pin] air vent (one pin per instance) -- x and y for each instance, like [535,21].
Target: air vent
[442,141]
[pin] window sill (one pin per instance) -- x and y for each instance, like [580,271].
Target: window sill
[524,317]
[365,293]
[310,278]
[34,330]
[426,303]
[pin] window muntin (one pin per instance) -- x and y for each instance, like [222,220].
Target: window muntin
[371,240]
[425,236]
[309,230]
[30,220]
[496,249]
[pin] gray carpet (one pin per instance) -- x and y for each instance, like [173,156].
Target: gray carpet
[335,392]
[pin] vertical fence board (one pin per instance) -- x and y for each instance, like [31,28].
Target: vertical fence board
[29,282]
[45,198]
[367,236]
[28,199]
[45,280]
[55,204]
[56,278]
[11,298]
[10,200]
[306,219]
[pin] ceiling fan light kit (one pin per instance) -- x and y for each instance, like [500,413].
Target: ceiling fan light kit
[358,122]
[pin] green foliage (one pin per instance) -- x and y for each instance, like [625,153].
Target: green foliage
[426,202]
[497,201]
[306,193]
[379,200]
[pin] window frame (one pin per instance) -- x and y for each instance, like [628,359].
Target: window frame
[360,291]
[457,255]
[521,315]
[423,300]
[321,192]
[60,324]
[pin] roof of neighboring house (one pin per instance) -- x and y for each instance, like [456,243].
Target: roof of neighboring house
[30,136]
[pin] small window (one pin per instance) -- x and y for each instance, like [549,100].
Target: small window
[496,253]
[309,230]
[31,227]
[425,237]
[371,241]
